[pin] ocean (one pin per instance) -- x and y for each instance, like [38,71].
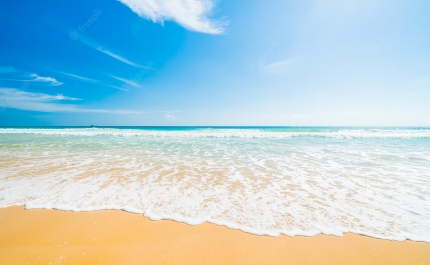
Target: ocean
[262,180]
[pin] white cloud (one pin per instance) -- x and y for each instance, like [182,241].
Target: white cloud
[191,14]
[12,93]
[128,82]
[16,75]
[119,58]
[18,99]
[89,80]
[41,79]
[123,88]
[98,47]
[277,68]
[93,81]
[50,81]
[170,117]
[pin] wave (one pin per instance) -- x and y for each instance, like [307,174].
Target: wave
[266,185]
[400,133]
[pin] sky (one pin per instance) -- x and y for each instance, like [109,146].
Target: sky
[215,63]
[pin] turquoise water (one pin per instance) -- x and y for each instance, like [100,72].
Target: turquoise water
[263,180]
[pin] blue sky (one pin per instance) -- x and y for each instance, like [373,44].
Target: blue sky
[203,62]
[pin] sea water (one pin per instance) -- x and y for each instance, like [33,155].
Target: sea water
[262,180]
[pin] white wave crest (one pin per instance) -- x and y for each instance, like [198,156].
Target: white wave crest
[231,133]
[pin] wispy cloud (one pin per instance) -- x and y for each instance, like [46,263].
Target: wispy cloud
[119,58]
[42,79]
[41,102]
[122,88]
[170,117]
[34,78]
[92,81]
[99,48]
[22,95]
[277,67]
[191,14]
[15,75]
[128,82]
[86,79]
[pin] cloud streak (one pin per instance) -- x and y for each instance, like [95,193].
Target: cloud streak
[48,80]
[92,81]
[41,102]
[277,68]
[99,48]
[82,78]
[191,14]
[30,96]
[170,117]
[128,82]
[16,75]
[119,58]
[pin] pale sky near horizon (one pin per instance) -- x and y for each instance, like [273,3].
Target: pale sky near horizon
[204,62]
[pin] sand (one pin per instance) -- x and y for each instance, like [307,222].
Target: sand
[117,237]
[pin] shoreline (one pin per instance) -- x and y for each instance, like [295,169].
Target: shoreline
[231,225]
[39,236]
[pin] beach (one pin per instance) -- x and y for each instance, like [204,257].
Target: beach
[118,237]
[275,195]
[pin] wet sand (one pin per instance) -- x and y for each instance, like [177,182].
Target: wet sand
[117,237]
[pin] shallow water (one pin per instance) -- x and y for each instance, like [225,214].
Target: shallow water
[290,180]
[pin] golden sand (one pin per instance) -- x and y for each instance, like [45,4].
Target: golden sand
[117,237]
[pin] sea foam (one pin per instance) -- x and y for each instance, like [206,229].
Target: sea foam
[272,181]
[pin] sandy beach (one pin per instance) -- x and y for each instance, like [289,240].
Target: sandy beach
[117,237]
